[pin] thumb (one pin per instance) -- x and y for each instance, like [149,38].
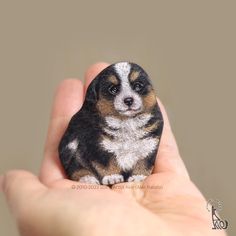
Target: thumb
[19,188]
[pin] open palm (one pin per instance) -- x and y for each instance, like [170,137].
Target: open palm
[166,203]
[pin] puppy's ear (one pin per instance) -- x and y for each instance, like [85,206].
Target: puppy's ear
[92,92]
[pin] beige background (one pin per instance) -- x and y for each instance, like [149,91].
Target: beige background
[187,47]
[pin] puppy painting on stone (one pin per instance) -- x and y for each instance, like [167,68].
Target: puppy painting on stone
[115,136]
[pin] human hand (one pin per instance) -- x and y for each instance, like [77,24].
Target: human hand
[165,203]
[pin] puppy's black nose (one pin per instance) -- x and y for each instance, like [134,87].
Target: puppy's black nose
[128,101]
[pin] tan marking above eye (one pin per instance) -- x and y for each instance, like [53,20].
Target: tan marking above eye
[134,75]
[149,100]
[113,79]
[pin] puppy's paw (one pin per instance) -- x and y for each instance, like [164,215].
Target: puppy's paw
[112,179]
[136,178]
[89,179]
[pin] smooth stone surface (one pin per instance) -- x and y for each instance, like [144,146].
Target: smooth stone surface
[115,135]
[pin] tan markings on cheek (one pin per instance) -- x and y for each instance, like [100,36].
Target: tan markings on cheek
[80,173]
[105,107]
[113,79]
[134,75]
[149,100]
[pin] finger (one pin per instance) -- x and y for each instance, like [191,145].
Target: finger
[68,100]
[93,71]
[19,188]
[168,158]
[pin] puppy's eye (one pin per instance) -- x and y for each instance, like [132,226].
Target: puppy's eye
[138,86]
[113,89]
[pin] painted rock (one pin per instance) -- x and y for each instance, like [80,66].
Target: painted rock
[115,136]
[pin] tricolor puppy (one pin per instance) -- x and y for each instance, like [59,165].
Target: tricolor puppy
[115,135]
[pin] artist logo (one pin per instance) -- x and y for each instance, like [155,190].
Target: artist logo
[215,206]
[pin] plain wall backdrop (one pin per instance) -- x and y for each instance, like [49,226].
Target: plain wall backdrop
[187,47]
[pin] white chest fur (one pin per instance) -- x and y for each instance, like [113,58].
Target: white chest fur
[128,144]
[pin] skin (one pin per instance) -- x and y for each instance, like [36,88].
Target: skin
[166,203]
